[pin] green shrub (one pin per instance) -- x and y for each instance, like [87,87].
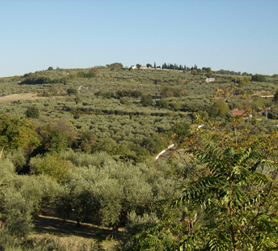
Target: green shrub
[258,78]
[72,91]
[124,101]
[169,91]
[16,132]
[146,100]
[162,103]
[137,223]
[219,109]
[50,165]
[32,112]
[175,106]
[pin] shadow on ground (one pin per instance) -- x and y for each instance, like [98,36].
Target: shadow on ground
[48,222]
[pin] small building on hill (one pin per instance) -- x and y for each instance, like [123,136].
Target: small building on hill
[208,80]
[235,113]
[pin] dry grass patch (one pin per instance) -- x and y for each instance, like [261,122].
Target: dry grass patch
[67,243]
[20,96]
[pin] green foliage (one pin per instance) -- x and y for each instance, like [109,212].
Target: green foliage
[124,101]
[258,78]
[55,136]
[208,72]
[175,106]
[164,235]
[194,72]
[72,90]
[16,214]
[180,130]
[156,143]
[50,165]
[276,97]
[32,112]
[20,198]
[146,100]
[77,99]
[93,72]
[237,200]
[162,103]
[233,194]
[86,159]
[105,95]
[169,91]
[128,93]
[219,109]
[35,80]
[18,157]
[115,66]
[244,81]
[260,103]
[106,193]
[137,223]
[106,145]
[87,140]
[16,132]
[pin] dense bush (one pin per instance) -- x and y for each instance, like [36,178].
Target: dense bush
[72,90]
[175,106]
[162,103]
[115,66]
[16,132]
[219,109]
[146,100]
[258,78]
[35,80]
[124,101]
[21,198]
[55,136]
[32,112]
[169,91]
[50,165]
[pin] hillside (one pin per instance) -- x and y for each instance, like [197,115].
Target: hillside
[80,145]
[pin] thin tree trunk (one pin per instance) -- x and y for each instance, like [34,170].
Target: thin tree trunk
[233,238]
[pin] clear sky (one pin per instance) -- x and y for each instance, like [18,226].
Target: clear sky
[238,35]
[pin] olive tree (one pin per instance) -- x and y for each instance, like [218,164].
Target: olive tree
[105,194]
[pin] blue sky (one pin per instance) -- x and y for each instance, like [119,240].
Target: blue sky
[238,35]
